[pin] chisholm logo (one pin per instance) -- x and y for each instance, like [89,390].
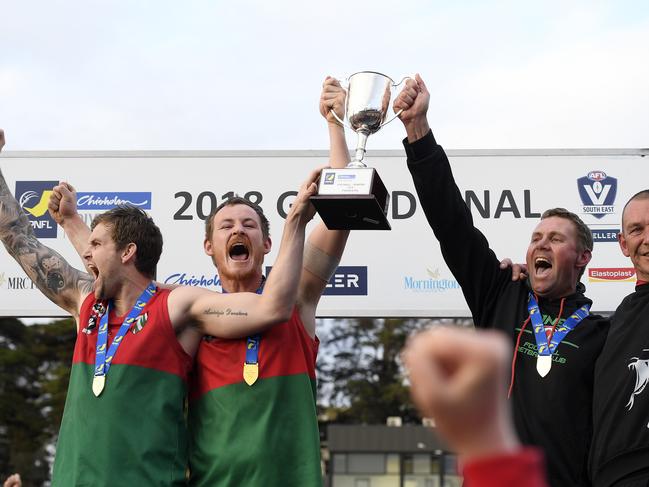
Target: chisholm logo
[433,284]
[106,201]
[184,279]
[611,274]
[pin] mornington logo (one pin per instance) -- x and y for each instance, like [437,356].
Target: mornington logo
[184,279]
[106,201]
[641,368]
[433,284]
[597,192]
[33,197]
[329,177]
[611,274]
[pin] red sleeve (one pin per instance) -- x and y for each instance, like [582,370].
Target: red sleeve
[525,467]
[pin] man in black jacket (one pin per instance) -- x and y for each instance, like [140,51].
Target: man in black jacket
[556,339]
[620,452]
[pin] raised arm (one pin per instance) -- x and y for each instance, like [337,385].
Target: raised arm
[464,248]
[63,209]
[64,285]
[242,314]
[324,247]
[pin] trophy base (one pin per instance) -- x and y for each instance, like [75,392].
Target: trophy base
[352,199]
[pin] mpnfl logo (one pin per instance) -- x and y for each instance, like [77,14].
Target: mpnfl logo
[329,177]
[597,192]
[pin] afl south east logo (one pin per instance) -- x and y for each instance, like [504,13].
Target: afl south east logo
[597,191]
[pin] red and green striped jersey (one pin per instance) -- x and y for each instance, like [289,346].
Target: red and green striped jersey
[135,432]
[264,435]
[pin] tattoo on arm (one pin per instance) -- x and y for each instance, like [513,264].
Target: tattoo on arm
[55,278]
[225,312]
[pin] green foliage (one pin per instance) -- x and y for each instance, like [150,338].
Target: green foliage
[360,373]
[34,371]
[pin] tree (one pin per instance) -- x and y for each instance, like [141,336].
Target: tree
[360,372]
[34,369]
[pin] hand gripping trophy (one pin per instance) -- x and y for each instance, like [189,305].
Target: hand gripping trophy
[355,198]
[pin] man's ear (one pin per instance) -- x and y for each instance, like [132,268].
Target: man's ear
[584,258]
[207,246]
[623,246]
[129,252]
[268,243]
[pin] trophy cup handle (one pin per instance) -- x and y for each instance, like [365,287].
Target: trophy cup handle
[394,85]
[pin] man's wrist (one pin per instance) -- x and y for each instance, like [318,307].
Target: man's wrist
[416,129]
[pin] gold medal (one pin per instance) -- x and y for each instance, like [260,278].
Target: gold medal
[98,383]
[543,364]
[250,373]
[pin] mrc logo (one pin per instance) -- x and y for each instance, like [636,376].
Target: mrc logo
[33,197]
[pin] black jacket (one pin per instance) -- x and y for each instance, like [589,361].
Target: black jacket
[552,412]
[620,448]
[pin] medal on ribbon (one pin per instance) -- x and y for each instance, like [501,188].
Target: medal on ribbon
[103,355]
[545,346]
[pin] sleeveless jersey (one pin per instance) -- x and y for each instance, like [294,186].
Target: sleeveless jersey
[135,432]
[260,435]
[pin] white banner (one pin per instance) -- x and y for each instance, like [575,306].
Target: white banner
[383,273]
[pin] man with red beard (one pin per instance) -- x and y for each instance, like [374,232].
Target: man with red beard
[124,421]
[252,408]
[556,338]
[619,455]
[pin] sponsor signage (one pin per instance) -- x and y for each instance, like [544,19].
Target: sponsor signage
[346,281]
[106,201]
[431,283]
[187,279]
[597,191]
[605,234]
[33,197]
[15,282]
[611,274]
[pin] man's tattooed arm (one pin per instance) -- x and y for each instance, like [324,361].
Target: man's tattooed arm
[58,280]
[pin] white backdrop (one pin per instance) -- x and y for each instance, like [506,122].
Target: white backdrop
[395,273]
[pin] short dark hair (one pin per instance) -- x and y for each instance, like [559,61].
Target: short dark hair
[640,195]
[238,200]
[129,224]
[584,235]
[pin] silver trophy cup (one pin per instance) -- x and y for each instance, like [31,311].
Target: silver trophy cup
[355,198]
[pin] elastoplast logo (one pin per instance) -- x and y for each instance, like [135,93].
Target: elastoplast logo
[346,281]
[597,191]
[605,234]
[185,279]
[611,274]
[33,197]
[433,283]
[106,201]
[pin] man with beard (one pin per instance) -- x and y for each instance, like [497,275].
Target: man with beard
[124,421]
[556,338]
[252,408]
[620,452]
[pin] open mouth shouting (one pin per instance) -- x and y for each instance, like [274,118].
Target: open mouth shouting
[542,266]
[239,251]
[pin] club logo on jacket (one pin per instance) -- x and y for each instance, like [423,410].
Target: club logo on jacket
[641,368]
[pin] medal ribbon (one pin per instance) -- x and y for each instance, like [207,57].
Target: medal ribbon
[104,358]
[251,365]
[560,332]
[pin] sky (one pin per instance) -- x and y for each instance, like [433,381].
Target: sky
[243,75]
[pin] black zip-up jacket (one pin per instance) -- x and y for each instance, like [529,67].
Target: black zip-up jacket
[620,451]
[552,412]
